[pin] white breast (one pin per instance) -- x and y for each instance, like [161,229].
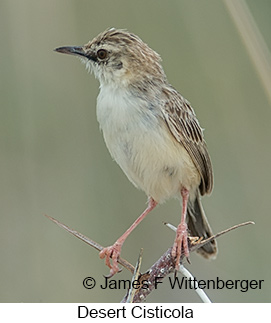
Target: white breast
[139,141]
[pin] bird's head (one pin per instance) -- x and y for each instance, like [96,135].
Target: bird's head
[119,57]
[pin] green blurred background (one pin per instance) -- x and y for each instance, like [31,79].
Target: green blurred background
[54,161]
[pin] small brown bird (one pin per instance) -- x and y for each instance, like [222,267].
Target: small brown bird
[152,132]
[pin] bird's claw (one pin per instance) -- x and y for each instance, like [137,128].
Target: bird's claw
[112,252]
[180,246]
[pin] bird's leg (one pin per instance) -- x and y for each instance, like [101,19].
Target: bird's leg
[114,250]
[181,241]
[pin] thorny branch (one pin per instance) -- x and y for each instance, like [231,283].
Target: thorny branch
[164,266]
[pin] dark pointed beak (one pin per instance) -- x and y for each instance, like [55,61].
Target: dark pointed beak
[72,50]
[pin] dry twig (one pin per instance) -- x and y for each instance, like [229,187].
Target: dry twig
[158,271]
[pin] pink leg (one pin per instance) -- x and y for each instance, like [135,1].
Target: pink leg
[180,243]
[114,250]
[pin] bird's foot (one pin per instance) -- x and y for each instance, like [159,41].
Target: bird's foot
[180,246]
[114,253]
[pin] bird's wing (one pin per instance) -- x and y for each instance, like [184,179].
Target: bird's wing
[184,126]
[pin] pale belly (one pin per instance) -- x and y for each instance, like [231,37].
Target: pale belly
[147,153]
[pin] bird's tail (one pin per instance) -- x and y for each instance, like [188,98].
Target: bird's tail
[199,227]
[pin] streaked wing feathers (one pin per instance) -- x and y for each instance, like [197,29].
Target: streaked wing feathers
[184,126]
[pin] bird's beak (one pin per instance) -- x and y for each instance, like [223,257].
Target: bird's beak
[72,50]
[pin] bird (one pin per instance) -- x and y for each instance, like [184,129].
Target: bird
[153,134]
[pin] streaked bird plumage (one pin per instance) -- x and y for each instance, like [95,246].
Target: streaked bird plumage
[151,131]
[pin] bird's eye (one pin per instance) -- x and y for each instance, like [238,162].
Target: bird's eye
[102,53]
